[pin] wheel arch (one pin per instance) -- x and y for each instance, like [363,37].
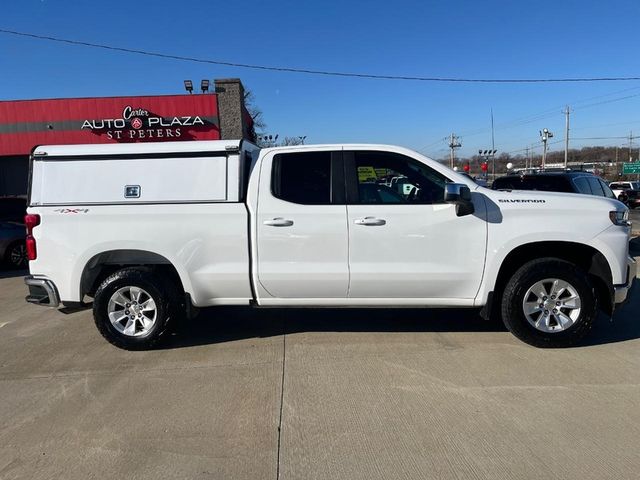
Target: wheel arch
[592,261]
[103,264]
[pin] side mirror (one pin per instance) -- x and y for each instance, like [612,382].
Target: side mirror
[460,196]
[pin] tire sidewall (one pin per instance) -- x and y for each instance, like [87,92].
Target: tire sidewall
[532,272]
[136,278]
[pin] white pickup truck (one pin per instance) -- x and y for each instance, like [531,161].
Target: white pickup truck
[154,231]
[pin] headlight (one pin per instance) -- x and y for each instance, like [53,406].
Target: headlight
[620,217]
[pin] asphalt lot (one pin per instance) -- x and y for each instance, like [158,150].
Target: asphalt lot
[315,394]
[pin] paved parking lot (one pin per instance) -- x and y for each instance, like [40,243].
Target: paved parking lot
[315,394]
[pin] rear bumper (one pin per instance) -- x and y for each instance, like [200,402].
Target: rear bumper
[621,292]
[42,291]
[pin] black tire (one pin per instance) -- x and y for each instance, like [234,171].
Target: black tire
[163,293]
[524,278]
[14,251]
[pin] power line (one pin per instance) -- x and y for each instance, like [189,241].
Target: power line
[533,147]
[608,101]
[551,112]
[599,138]
[588,127]
[318,72]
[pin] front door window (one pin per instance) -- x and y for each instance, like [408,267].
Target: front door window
[390,178]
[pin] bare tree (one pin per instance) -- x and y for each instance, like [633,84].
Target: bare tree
[256,114]
[290,141]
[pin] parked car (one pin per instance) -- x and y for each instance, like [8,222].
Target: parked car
[152,231]
[564,181]
[13,252]
[627,192]
[619,187]
[631,198]
[13,209]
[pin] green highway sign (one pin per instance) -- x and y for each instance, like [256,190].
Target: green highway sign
[629,168]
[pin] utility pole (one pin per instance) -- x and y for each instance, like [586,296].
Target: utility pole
[545,135]
[630,141]
[453,144]
[567,111]
[526,161]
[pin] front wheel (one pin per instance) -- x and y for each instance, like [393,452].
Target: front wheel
[133,307]
[549,303]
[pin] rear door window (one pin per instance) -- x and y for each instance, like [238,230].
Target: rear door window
[607,191]
[596,189]
[582,185]
[303,177]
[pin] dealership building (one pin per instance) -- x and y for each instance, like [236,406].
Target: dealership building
[25,124]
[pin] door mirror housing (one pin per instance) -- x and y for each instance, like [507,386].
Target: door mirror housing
[459,195]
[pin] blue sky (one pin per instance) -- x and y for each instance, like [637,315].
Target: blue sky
[478,39]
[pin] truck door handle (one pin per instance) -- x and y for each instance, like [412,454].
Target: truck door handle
[370,221]
[278,222]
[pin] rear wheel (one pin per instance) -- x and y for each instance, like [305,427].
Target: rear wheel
[549,303]
[133,308]
[16,255]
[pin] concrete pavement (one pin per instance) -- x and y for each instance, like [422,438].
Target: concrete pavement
[315,394]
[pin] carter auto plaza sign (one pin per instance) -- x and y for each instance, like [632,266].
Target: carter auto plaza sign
[137,123]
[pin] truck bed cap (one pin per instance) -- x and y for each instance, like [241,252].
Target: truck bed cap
[132,148]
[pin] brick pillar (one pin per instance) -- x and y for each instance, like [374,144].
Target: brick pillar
[234,120]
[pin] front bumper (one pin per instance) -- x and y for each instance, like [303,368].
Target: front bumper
[42,291]
[620,292]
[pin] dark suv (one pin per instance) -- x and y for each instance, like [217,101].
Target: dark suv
[12,209]
[564,181]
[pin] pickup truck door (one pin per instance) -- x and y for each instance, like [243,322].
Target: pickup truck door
[302,240]
[405,242]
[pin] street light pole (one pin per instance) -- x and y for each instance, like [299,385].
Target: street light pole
[489,154]
[268,140]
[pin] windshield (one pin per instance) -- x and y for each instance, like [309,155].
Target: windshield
[545,183]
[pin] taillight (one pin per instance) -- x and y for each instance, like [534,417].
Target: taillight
[32,253]
[31,221]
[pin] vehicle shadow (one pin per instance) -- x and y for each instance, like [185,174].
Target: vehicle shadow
[223,324]
[625,324]
[12,273]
